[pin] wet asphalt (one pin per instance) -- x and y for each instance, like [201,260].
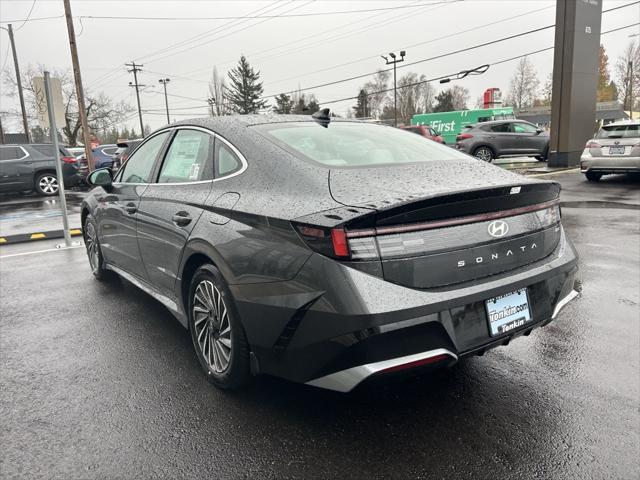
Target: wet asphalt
[99,381]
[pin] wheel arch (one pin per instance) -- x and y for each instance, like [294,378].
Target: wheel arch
[486,145]
[196,254]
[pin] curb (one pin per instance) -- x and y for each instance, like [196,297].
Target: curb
[554,172]
[32,237]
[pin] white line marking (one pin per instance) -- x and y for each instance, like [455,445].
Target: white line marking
[39,251]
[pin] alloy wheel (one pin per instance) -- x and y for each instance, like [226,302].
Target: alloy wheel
[92,247]
[48,184]
[212,326]
[484,154]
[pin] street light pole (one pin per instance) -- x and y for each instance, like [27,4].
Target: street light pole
[164,82]
[393,62]
[25,124]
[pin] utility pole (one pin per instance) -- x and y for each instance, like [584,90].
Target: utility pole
[631,89]
[1,133]
[135,68]
[164,82]
[82,111]
[25,124]
[211,101]
[393,62]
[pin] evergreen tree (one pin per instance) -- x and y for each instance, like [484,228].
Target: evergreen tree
[284,104]
[444,101]
[361,110]
[245,89]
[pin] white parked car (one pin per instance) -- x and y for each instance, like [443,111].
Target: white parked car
[614,149]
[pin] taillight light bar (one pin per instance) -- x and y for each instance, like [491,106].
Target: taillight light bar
[592,144]
[451,221]
[463,136]
[68,159]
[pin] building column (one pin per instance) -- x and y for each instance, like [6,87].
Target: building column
[575,79]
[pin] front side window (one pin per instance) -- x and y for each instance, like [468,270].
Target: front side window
[524,128]
[189,158]
[347,144]
[140,165]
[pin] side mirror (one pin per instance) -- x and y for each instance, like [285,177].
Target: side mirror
[539,131]
[100,178]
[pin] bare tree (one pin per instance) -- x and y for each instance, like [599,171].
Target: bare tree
[217,96]
[377,96]
[623,74]
[524,85]
[460,96]
[102,112]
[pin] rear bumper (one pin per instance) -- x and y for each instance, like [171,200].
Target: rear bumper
[334,326]
[609,164]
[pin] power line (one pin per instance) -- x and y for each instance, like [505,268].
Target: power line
[473,47]
[207,33]
[28,15]
[490,64]
[249,17]
[477,27]
[436,57]
[32,19]
[225,35]
[323,34]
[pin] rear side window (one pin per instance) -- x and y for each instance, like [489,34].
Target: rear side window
[44,149]
[501,128]
[11,153]
[189,158]
[140,165]
[619,131]
[227,161]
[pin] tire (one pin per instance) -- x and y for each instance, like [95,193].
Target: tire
[544,156]
[593,176]
[216,331]
[94,252]
[484,153]
[46,184]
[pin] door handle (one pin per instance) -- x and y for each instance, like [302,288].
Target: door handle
[130,208]
[181,219]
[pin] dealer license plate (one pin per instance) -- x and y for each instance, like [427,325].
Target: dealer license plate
[508,312]
[616,150]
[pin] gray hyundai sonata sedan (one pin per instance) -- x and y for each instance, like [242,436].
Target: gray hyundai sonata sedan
[326,251]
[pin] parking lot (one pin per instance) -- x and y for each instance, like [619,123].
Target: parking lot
[100,381]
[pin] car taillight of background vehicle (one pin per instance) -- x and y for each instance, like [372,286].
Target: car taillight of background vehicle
[592,144]
[463,136]
[68,159]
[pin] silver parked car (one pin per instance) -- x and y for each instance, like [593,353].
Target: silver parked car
[614,149]
[504,138]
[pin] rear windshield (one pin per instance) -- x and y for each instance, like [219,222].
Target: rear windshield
[619,131]
[344,144]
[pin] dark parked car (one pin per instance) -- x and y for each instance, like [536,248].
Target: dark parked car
[329,251]
[504,138]
[32,167]
[123,150]
[424,131]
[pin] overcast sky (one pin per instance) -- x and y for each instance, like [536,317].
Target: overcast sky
[298,50]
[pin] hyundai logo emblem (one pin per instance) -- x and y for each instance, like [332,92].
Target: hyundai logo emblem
[498,228]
